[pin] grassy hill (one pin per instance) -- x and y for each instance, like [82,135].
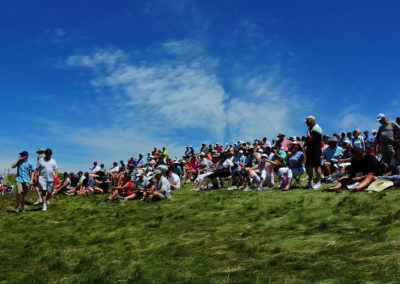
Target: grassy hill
[205,237]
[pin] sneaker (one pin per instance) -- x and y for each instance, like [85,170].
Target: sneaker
[308,186]
[120,197]
[107,200]
[232,188]
[247,188]
[22,210]
[47,202]
[38,201]
[16,210]
[317,185]
[44,207]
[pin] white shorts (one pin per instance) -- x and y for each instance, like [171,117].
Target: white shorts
[46,186]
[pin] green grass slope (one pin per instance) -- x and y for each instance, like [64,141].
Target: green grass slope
[205,237]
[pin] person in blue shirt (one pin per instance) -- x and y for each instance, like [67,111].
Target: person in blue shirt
[332,155]
[24,179]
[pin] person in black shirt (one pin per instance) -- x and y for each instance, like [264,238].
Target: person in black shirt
[364,167]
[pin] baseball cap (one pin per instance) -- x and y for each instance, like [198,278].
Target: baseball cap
[379,117]
[24,153]
[139,173]
[366,131]
[95,162]
[48,150]
[264,156]
[202,154]
[374,131]
[241,151]
[281,134]
[260,150]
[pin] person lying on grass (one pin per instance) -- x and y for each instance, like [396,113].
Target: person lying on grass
[123,190]
[363,170]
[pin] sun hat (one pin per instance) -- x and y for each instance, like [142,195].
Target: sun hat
[280,134]
[250,147]
[139,173]
[157,172]
[310,118]
[379,117]
[332,139]
[41,150]
[357,131]
[379,185]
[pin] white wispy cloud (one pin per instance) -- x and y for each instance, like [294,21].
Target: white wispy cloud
[182,96]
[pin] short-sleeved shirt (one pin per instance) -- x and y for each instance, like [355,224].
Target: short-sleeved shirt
[142,183]
[177,170]
[387,132]
[332,154]
[281,153]
[163,184]
[46,169]
[368,164]
[357,142]
[68,182]
[175,178]
[90,182]
[315,144]
[294,158]
[24,170]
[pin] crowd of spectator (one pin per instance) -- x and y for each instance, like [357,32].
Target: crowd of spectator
[352,160]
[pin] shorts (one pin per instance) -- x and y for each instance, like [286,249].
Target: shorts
[313,159]
[47,186]
[22,187]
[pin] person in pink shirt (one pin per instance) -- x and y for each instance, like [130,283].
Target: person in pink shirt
[282,143]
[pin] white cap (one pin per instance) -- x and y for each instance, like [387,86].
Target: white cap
[374,131]
[202,154]
[241,151]
[379,117]
[260,150]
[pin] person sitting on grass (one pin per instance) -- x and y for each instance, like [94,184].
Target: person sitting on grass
[78,186]
[140,185]
[174,180]
[101,184]
[332,154]
[296,166]
[161,190]
[87,186]
[125,189]
[64,186]
[190,169]
[364,167]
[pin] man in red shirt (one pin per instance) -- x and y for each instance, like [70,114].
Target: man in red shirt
[125,189]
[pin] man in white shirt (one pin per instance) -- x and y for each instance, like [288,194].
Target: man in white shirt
[174,180]
[45,172]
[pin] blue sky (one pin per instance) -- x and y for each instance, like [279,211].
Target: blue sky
[105,80]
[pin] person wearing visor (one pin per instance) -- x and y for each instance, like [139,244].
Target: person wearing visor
[24,179]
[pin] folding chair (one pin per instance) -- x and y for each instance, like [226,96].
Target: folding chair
[296,181]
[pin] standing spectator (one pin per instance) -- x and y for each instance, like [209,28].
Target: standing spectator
[369,142]
[25,169]
[282,143]
[385,137]
[45,172]
[313,152]
[357,140]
